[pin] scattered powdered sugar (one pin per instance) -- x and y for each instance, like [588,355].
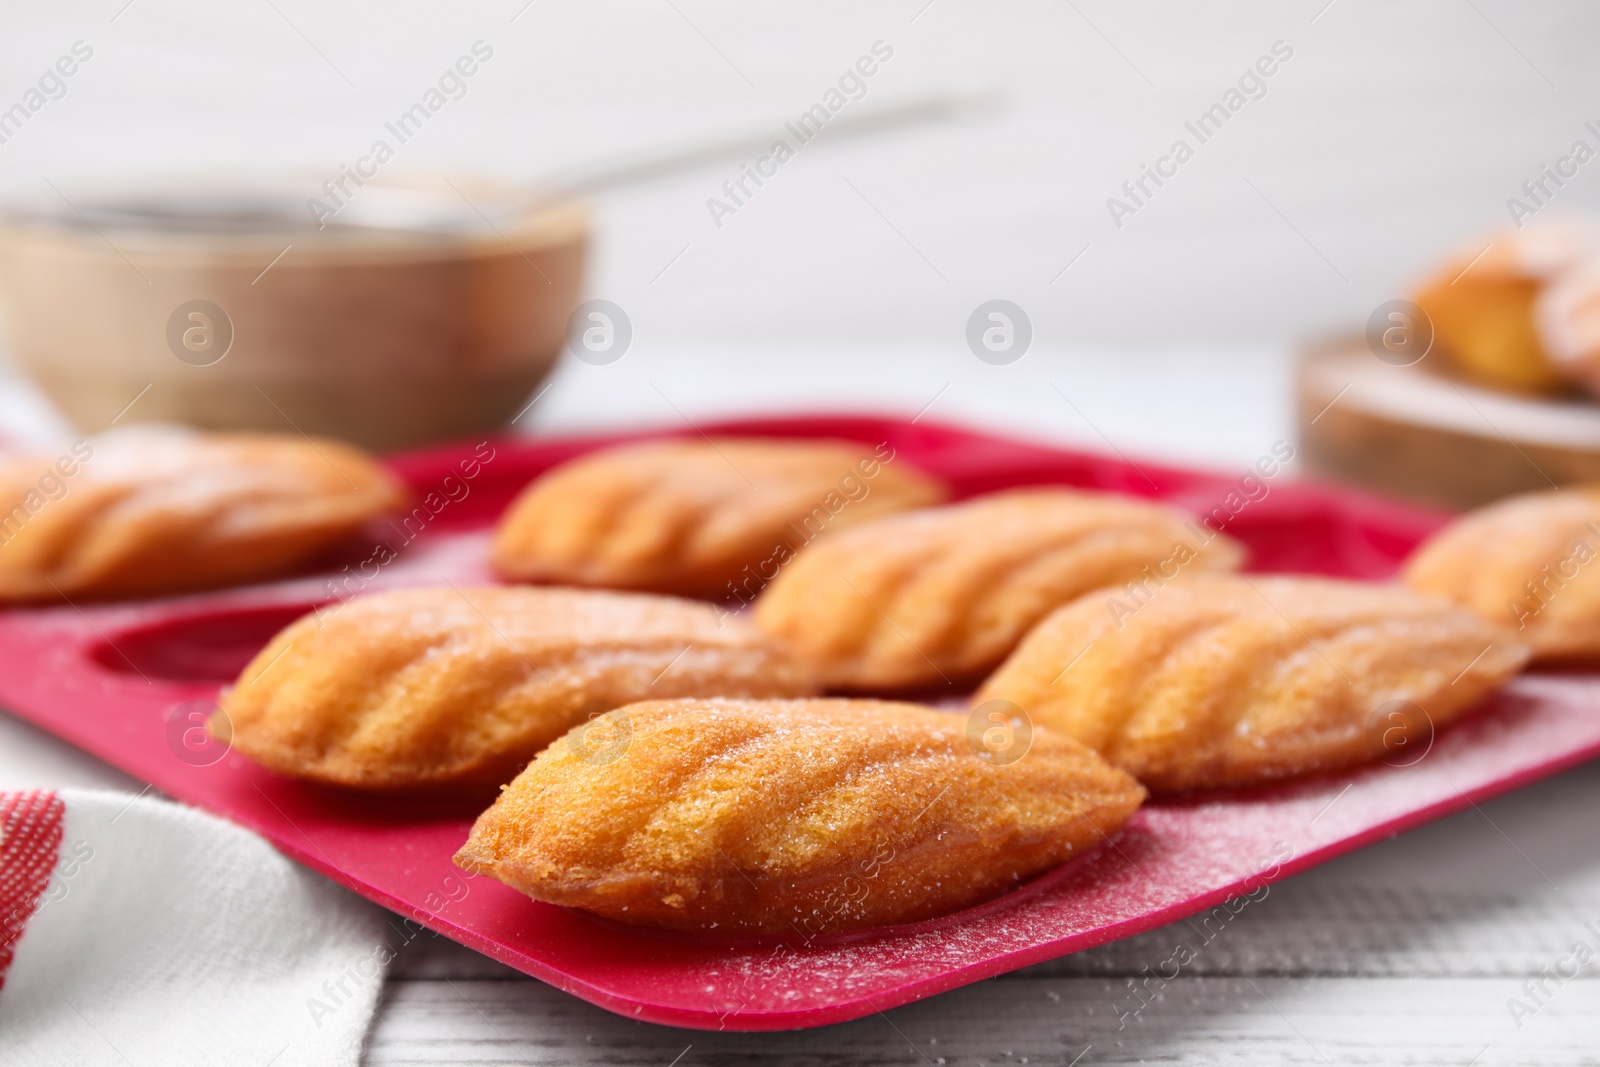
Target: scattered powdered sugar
[1172,859]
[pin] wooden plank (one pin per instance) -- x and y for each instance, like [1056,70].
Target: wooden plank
[1406,952]
[1266,1020]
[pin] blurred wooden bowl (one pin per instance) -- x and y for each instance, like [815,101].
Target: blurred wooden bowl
[427,308]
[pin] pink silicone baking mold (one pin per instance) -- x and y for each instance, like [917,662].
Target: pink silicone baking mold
[132,682]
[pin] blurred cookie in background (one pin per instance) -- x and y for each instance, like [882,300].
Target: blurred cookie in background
[698,517]
[1525,563]
[154,510]
[1482,303]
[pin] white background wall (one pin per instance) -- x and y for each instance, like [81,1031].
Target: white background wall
[1395,132]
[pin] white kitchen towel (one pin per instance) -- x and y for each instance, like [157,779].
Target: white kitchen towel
[162,935]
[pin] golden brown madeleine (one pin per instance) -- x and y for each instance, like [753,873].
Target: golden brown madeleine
[1481,303]
[152,511]
[791,817]
[1226,680]
[435,687]
[944,594]
[1531,563]
[698,517]
[1567,317]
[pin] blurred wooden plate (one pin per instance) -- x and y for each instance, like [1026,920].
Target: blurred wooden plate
[1416,433]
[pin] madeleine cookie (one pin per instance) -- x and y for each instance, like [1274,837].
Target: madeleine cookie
[152,511]
[1482,303]
[434,687]
[943,595]
[1225,680]
[697,517]
[1567,316]
[791,817]
[1528,563]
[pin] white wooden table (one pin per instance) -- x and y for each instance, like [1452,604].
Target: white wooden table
[1395,131]
[1406,952]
